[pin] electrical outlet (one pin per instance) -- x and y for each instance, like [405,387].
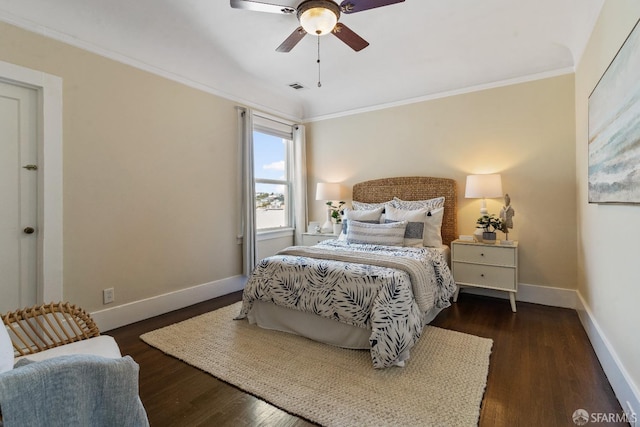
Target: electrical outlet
[632,416]
[108,296]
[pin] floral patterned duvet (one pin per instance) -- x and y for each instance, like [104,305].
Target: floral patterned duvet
[357,286]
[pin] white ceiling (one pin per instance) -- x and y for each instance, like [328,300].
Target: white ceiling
[418,48]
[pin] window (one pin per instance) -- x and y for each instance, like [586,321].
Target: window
[272,174]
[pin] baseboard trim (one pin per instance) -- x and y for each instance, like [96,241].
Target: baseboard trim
[625,390]
[136,311]
[545,295]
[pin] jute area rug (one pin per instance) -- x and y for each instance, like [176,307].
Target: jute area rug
[441,385]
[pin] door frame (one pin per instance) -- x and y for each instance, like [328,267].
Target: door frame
[49,224]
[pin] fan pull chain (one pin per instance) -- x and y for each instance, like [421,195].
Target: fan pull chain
[319,84]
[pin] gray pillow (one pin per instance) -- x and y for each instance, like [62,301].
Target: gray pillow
[391,234]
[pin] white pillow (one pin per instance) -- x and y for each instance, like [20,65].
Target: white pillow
[437,202]
[433,228]
[391,234]
[414,233]
[371,216]
[6,350]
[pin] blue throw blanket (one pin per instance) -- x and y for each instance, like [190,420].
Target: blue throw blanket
[75,390]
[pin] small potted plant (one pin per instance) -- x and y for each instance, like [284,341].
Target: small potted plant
[336,216]
[489,224]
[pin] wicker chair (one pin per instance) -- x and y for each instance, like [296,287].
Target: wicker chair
[46,326]
[43,332]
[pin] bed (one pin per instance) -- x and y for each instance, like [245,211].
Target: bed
[363,294]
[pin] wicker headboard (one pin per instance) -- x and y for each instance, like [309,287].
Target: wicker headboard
[414,188]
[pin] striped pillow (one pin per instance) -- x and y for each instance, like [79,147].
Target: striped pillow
[391,234]
[371,215]
[361,206]
[438,202]
[414,234]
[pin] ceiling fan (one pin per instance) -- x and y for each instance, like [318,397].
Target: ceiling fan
[318,17]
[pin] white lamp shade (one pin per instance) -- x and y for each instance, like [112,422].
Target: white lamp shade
[318,20]
[328,191]
[483,186]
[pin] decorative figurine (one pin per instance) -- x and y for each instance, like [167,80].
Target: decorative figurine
[506,214]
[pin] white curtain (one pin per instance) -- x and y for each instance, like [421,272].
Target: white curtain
[247,226]
[299,182]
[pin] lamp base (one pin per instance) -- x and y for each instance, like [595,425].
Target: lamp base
[327,227]
[483,207]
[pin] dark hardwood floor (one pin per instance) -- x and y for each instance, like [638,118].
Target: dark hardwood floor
[542,369]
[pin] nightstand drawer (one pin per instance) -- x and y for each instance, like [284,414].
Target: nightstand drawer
[485,275]
[484,254]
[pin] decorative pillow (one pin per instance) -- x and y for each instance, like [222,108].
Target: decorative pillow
[414,234]
[438,202]
[371,216]
[391,234]
[6,350]
[433,228]
[361,206]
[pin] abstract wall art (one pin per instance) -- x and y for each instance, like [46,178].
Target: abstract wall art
[614,128]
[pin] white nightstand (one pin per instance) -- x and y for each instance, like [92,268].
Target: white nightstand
[310,239]
[490,266]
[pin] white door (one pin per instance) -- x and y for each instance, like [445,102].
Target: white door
[18,197]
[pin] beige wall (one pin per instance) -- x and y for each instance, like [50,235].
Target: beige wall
[608,276]
[149,206]
[524,131]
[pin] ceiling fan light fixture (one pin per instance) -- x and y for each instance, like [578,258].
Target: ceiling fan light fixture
[318,16]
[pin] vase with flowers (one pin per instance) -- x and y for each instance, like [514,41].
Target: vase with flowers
[489,224]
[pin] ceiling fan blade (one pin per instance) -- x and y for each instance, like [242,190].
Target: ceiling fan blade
[292,40]
[352,40]
[353,6]
[258,6]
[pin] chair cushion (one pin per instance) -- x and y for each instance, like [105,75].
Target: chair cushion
[6,350]
[103,345]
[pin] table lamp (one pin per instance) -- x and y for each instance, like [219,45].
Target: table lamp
[482,187]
